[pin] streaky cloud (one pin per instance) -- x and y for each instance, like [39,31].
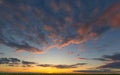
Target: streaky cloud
[62,66]
[113,61]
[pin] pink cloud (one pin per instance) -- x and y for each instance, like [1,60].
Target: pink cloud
[32,50]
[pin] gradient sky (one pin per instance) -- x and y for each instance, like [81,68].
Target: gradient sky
[60,36]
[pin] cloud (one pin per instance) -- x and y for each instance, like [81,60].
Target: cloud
[32,50]
[72,39]
[69,66]
[115,20]
[113,61]
[112,65]
[83,30]
[115,57]
[45,65]
[62,66]
[11,36]
[23,47]
[4,61]
[27,62]
[112,15]
[109,58]
[15,62]
[93,71]
[9,61]
[30,27]
[80,58]
[65,66]
[101,59]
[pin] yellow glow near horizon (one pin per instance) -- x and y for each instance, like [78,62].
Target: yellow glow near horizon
[34,69]
[52,70]
[37,69]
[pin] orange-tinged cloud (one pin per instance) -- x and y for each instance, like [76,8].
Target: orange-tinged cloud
[83,30]
[32,50]
[109,15]
[115,20]
[55,29]
[68,43]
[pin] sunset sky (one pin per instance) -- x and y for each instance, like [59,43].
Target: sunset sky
[60,36]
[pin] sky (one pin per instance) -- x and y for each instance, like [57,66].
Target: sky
[60,36]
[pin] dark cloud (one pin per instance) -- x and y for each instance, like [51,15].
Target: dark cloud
[45,65]
[15,62]
[65,66]
[112,65]
[27,62]
[113,61]
[40,25]
[93,71]
[114,57]
[23,47]
[4,61]
[9,61]
[101,59]
[69,66]
[62,66]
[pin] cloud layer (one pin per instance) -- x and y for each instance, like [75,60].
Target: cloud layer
[62,66]
[15,62]
[42,25]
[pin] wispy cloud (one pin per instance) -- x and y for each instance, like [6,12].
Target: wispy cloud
[62,66]
[114,57]
[27,63]
[112,65]
[113,61]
